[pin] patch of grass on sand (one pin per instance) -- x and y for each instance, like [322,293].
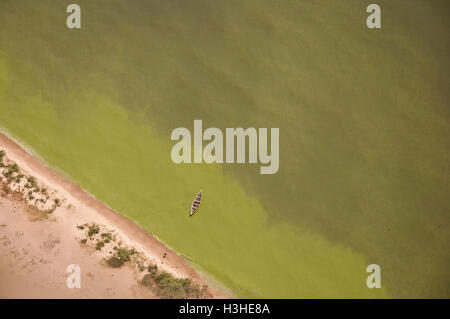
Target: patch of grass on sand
[93,230]
[164,285]
[35,214]
[97,234]
[120,257]
[99,245]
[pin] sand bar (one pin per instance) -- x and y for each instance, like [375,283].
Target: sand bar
[34,255]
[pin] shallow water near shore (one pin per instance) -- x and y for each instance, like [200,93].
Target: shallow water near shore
[364,132]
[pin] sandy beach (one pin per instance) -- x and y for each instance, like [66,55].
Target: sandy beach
[42,233]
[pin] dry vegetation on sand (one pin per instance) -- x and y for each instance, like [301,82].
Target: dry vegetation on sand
[161,283]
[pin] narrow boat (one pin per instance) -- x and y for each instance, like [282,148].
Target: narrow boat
[196,203]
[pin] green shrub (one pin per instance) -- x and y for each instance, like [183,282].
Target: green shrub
[141,267]
[152,269]
[147,281]
[120,257]
[107,236]
[14,168]
[19,178]
[92,230]
[32,181]
[100,245]
[171,287]
[166,286]
[7,173]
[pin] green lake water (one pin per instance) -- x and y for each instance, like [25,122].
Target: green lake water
[364,124]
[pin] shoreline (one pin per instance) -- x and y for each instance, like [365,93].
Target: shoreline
[88,209]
